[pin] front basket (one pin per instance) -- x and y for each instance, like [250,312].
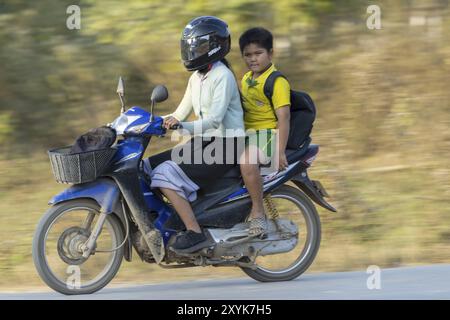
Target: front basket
[79,167]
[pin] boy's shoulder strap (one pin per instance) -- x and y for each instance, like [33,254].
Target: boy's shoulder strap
[270,83]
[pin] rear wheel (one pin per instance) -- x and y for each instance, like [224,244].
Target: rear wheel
[294,205]
[56,248]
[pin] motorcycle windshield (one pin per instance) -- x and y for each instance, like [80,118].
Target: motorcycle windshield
[123,122]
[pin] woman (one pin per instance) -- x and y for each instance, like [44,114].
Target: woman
[213,95]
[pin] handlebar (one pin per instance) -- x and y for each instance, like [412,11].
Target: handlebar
[175,127]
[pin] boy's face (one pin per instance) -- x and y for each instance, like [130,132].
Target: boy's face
[256,57]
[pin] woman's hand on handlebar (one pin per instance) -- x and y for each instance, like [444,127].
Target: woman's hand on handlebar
[171,122]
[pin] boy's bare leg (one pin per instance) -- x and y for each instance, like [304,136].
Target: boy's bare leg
[183,208]
[253,182]
[252,178]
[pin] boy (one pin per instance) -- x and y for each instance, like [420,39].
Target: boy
[261,119]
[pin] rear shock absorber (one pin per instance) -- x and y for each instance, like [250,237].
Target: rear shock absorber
[272,210]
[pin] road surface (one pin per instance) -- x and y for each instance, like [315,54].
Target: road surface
[421,282]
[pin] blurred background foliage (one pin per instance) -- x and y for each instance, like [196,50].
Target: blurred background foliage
[383,104]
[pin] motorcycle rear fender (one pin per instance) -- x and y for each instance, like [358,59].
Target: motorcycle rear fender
[313,189]
[106,193]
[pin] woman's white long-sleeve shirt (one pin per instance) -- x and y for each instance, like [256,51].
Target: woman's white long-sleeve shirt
[214,98]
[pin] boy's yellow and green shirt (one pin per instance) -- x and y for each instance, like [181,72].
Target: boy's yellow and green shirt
[258,114]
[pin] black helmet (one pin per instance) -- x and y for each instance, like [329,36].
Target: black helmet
[204,40]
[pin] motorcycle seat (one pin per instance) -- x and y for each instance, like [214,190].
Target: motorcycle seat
[231,181]
[299,154]
[293,155]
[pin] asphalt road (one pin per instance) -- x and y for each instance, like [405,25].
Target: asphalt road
[422,282]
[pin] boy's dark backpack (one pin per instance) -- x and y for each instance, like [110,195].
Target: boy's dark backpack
[303,112]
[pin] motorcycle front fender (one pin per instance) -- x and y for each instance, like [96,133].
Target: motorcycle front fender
[106,193]
[104,190]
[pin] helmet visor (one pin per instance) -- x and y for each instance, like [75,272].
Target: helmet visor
[194,47]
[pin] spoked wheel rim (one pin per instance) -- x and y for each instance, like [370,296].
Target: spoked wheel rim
[294,210]
[62,243]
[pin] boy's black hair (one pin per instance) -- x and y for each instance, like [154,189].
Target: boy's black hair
[259,36]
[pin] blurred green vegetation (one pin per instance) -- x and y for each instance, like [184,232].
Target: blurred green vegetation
[383,103]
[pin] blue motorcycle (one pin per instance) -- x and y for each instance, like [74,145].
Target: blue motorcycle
[80,242]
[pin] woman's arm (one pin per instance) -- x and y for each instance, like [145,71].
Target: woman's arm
[213,115]
[184,109]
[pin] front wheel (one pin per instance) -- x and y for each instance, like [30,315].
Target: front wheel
[294,205]
[56,248]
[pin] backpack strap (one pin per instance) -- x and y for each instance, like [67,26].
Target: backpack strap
[269,84]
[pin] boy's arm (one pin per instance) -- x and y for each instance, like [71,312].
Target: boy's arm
[281,100]
[284,116]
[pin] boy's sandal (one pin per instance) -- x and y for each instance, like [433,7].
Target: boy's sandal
[258,226]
